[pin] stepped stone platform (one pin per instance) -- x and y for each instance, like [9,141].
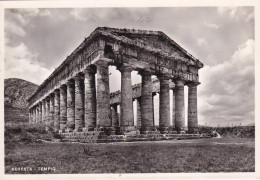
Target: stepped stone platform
[98,137]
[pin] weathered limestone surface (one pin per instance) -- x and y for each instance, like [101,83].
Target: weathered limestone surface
[179,103]
[43,111]
[51,118]
[82,100]
[47,111]
[114,113]
[63,107]
[138,113]
[192,108]
[90,99]
[173,107]
[164,121]
[40,112]
[70,106]
[79,103]
[146,102]
[103,99]
[127,114]
[56,110]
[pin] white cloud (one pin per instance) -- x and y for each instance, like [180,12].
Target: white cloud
[44,13]
[236,13]
[211,25]
[140,15]
[226,93]
[21,63]
[13,28]
[17,19]
[202,41]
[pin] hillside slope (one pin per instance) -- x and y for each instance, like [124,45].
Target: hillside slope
[16,91]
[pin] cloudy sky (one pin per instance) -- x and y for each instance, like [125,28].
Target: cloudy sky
[38,40]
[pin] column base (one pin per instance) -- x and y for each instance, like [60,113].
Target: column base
[61,131]
[68,131]
[129,130]
[193,130]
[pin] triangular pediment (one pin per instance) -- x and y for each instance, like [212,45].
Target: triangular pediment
[155,41]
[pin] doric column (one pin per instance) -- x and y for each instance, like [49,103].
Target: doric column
[51,110]
[127,114]
[47,115]
[56,110]
[164,114]
[192,108]
[43,111]
[153,94]
[70,106]
[32,111]
[63,107]
[115,122]
[37,114]
[146,102]
[173,108]
[103,94]
[34,115]
[79,102]
[40,112]
[138,113]
[179,103]
[30,117]
[90,99]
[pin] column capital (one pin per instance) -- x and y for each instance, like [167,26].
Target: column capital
[125,68]
[145,72]
[193,84]
[78,77]
[163,77]
[89,70]
[56,91]
[179,82]
[63,86]
[70,83]
[103,62]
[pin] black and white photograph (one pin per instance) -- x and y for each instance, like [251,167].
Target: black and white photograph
[129,90]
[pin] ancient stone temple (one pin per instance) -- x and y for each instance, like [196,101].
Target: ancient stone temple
[76,96]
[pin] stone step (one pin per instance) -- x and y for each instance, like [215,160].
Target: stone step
[96,137]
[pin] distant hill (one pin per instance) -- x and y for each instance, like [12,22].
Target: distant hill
[16,91]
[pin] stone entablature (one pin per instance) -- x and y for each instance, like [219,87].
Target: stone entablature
[115,97]
[71,99]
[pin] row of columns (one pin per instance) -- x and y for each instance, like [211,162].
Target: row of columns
[81,105]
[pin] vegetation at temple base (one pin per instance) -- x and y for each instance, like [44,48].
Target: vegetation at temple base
[23,149]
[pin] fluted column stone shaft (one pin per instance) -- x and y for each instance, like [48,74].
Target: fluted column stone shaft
[70,106]
[30,117]
[47,111]
[79,103]
[37,113]
[173,108]
[40,112]
[43,111]
[63,107]
[179,103]
[90,99]
[192,108]
[103,94]
[127,114]
[115,122]
[52,110]
[164,114]
[56,110]
[146,102]
[138,113]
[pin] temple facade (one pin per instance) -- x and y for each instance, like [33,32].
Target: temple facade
[76,96]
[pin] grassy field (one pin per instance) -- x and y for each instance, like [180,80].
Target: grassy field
[202,155]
